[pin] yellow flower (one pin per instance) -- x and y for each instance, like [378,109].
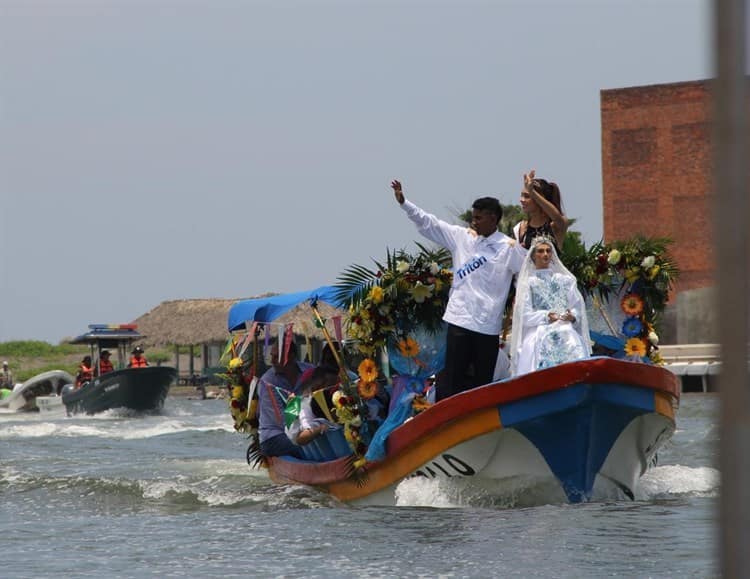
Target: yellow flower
[408,347]
[635,347]
[235,363]
[376,294]
[359,463]
[367,370]
[652,272]
[632,274]
[367,390]
[237,392]
[420,292]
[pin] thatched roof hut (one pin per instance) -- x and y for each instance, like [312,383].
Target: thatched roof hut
[201,321]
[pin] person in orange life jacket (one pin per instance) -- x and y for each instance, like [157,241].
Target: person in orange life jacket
[105,364]
[137,360]
[484,261]
[85,372]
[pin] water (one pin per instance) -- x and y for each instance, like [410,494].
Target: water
[171,496]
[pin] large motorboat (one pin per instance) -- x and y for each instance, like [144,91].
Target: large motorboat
[136,389]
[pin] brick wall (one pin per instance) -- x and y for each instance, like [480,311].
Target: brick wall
[656,171]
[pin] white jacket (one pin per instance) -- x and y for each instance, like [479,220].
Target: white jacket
[483,268]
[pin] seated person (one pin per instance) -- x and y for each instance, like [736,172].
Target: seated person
[85,372]
[549,316]
[105,364]
[311,424]
[274,388]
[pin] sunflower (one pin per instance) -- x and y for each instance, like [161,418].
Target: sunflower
[632,304]
[367,390]
[635,347]
[632,327]
[367,370]
[408,347]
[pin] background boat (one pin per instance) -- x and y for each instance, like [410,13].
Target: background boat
[24,396]
[136,389]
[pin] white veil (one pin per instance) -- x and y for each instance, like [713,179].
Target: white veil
[528,269]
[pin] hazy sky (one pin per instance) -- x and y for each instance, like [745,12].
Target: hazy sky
[157,150]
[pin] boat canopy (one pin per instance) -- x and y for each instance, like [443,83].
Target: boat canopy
[269,308]
[109,335]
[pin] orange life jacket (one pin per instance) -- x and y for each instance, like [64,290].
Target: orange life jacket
[105,366]
[85,374]
[137,362]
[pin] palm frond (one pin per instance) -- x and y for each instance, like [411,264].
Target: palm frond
[353,284]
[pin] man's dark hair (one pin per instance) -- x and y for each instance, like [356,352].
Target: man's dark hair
[490,204]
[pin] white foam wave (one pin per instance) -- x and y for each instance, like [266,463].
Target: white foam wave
[678,480]
[423,492]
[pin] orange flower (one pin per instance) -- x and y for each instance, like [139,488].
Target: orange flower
[367,390]
[632,304]
[367,370]
[635,347]
[408,347]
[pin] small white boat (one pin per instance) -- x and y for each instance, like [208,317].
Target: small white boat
[24,396]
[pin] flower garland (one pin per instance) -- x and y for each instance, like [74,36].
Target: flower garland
[643,269]
[405,292]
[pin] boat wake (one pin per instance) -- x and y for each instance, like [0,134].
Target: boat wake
[659,483]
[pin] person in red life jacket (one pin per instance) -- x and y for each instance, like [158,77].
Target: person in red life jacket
[137,360]
[105,364]
[85,372]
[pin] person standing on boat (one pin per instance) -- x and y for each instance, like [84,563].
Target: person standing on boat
[542,203]
[137,360]
[549,316]
[275,386]
[484,261]
[6,377]
[105,364]
[85,372]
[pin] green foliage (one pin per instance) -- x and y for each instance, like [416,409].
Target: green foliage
[36,349]
[158,357]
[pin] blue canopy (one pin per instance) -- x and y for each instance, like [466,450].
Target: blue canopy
[272,307]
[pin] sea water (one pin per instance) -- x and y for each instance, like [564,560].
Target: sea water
[171,496]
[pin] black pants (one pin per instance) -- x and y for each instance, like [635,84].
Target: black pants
[467,350]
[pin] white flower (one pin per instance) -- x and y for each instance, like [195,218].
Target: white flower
[420,292]
[402,266]
[434,268]
[648,262]
[653,338]
[614,257]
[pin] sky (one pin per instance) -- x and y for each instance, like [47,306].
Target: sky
[154,150]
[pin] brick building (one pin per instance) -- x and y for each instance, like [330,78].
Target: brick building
[656,171]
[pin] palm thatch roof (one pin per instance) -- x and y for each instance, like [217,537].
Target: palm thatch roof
[201,321]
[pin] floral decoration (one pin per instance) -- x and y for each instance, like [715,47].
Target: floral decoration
[641,268]
[405,292]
